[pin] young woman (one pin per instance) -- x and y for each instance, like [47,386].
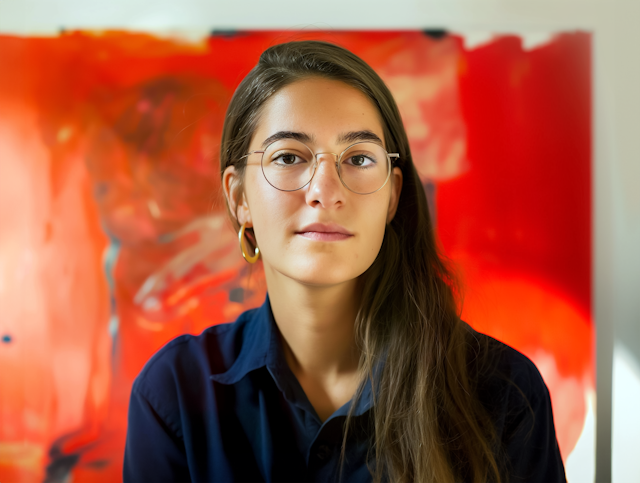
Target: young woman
[357,367]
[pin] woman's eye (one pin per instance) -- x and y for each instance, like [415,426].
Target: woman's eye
[288,159]
[360,160]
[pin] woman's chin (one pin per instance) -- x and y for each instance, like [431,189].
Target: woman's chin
[321,271]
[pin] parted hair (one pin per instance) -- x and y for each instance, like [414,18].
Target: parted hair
[427,423]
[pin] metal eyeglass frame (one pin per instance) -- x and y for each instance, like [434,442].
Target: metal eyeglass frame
[338,160]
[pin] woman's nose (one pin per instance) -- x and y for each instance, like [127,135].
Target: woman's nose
[325,187]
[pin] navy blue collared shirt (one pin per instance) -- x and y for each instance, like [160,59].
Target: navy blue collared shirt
[224,406]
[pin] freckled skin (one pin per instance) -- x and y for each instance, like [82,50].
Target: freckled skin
[323,109]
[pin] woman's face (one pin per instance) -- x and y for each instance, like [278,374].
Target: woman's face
[322,234]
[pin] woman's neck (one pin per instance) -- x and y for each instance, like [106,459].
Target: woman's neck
[318,339]
[317,325]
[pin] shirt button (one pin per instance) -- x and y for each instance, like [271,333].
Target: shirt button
[323,452]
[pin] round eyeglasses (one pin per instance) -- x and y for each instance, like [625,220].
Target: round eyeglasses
[289,165]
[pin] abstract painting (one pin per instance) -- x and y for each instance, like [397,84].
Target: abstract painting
[114,238]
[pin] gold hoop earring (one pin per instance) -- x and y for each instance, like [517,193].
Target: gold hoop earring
[247,257]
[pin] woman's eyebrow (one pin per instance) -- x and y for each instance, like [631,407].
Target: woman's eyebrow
[355,136]
[299,136]
[348,137]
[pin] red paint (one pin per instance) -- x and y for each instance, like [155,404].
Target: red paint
[118,133]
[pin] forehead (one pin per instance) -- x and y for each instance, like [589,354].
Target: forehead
[324,109]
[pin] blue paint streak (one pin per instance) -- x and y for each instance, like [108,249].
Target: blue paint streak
[110,258]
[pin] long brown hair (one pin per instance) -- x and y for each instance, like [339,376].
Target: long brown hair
[427,424]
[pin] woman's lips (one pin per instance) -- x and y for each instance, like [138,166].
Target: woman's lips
[325,232]
[324,235]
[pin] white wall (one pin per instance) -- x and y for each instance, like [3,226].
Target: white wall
[615,24]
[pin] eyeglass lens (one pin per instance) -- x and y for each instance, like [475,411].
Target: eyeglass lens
[289,165]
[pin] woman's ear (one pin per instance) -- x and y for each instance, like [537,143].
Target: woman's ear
[236,199]
[396,189]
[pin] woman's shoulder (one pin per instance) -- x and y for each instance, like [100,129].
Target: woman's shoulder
[189,358]
[512,390]
[498,363]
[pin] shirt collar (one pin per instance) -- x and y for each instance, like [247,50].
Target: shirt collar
[261,347]
[254,339]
